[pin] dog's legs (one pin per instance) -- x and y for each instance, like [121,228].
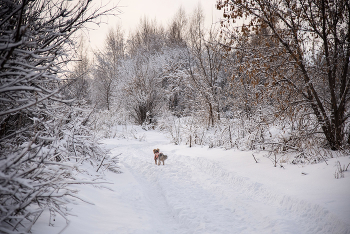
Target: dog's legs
[155,161]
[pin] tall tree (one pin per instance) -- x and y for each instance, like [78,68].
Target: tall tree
[177,27]
[206,59]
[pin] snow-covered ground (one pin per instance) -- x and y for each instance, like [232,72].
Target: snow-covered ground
[202,190]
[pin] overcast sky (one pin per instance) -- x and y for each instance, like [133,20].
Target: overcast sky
[162,10]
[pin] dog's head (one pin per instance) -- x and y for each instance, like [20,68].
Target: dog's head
[156,151]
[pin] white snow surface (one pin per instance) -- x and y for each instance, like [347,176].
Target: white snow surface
[202,190]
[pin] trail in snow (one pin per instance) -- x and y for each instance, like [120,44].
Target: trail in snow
[195,195]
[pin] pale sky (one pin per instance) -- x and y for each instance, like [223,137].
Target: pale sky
[162,10]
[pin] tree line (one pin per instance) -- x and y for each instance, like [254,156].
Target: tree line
[285,67]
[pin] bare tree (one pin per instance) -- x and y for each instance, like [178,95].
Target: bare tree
[206,60]
[147,38]
[177,27]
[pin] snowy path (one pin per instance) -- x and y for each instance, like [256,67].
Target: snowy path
[198,193]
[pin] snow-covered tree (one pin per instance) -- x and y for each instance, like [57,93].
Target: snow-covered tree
[107,74]
[206,74]
[309,64]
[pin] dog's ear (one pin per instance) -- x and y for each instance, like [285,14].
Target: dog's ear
[158,150]
[154,151]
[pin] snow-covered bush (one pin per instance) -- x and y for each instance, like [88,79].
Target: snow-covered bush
[35,173]
[43,136]
[282,140]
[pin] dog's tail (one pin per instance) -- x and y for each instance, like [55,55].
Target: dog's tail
[163,156]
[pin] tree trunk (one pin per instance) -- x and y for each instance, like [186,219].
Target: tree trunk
[211,115]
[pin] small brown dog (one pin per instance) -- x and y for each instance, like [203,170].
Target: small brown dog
[159,156]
